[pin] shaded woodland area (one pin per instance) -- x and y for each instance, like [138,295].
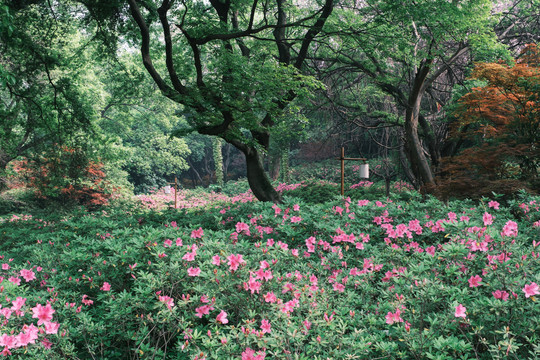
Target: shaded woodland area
[106,96]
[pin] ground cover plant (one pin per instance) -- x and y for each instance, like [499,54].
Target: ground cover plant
[347,278]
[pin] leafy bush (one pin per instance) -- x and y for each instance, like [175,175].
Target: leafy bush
[371,279]
[314,192]
[65,175]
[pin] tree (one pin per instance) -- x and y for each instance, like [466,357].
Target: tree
[41,97]
[234,66]
[518,23]
[138,119]
[405,50]
[500,124]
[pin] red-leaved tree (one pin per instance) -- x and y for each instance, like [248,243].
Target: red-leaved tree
[500,125]
[65,175]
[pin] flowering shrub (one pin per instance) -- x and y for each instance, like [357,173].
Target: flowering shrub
[65,175]
[364,278]
[186,199]
[363,183]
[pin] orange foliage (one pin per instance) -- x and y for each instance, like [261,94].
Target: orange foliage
[501,124]
[66,177]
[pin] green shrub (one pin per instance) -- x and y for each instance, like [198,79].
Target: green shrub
[365,278]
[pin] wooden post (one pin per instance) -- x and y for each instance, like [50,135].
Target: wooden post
[342,159]
[342,171]
[175,190]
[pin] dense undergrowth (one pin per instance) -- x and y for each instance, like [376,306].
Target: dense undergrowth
[361,277]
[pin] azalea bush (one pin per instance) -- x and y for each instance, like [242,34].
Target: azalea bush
[250,280]
[63,175]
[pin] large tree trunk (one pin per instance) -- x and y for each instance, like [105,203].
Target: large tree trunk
[433,144]
[406,167]
[419,162]
[258,179]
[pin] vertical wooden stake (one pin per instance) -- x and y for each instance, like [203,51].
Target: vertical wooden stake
[342,171]
[175,190]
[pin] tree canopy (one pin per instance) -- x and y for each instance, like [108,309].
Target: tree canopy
[133,73]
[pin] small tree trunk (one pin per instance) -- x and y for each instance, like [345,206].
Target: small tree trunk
[218,160]
[284,171]
[227,161]
[258,179]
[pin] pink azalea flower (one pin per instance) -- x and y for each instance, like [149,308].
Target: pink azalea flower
[531,290]
[503,295]
[203,310]
[167,300]
[15,280]
[235,261]
[222,317]
[510,229]
[190,256]
[51,327]
[242,227]
[270,297]
[431,250]
[460,311]
[250,354]
[179,242]
[474,281]
[216,260]
[296,219]
[167,243]
[86,301]
[488,219]
[494,205]
[194,271]
[252,285]
[393,317]
[5,266]
[18,303]
[106,286]
[43,313]
[26,338]
[265,326]
[8,341]
[363,202]
[197,234]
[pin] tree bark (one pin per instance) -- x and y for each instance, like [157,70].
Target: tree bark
[258,179]
[417,157]
[433,144]
[406,168]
